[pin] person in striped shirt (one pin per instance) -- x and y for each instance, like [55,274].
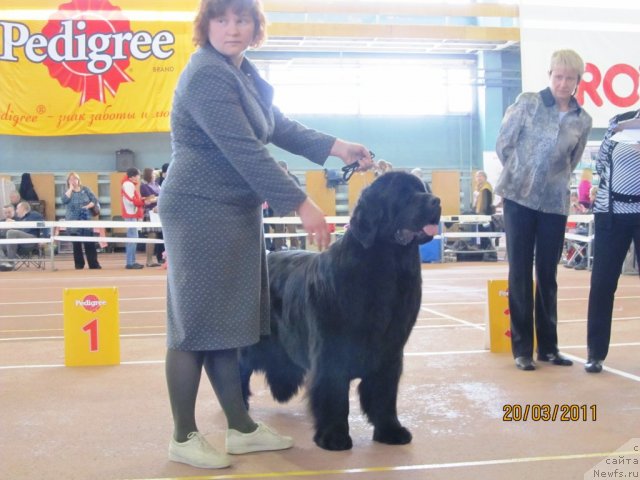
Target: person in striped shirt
[617,222]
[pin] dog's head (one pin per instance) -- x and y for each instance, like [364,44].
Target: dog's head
[396,208]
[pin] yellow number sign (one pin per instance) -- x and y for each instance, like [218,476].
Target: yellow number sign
[499,318]
[91,326]
[499,324]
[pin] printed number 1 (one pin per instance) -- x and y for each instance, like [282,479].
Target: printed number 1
[92,328]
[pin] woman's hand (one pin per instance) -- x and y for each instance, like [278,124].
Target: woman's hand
[89,205]
[352,153]
[314,224]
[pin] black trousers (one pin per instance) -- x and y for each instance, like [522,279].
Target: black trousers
[613,235]
[89,250]
[530,234]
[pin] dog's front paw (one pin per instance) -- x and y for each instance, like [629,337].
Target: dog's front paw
[333,440]
[397,435]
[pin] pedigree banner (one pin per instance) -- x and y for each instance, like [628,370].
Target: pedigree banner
[607,39]
[91,66]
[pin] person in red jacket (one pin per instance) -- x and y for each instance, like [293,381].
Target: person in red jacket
[132,211]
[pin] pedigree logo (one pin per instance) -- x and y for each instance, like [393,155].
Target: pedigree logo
[91,303]
[87,46]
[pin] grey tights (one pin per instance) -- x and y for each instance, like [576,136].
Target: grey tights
[184,370]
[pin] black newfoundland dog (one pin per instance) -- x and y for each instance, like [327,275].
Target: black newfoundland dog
[347,313]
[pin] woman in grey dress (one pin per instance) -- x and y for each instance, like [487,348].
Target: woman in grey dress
[210,207]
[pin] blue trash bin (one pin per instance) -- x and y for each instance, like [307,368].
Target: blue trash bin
[430,252]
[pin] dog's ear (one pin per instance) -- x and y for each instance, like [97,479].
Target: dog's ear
[365,220]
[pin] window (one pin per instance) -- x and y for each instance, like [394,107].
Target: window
[371,87]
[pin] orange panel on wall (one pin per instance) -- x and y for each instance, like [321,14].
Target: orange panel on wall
[115,180]
[446,185]
[317,190]
[357,183]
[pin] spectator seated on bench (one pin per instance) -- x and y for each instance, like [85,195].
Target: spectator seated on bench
[9,252]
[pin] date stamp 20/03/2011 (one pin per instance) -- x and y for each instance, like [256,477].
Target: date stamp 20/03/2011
[545,412]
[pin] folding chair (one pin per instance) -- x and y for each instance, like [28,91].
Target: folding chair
[30,255]
[575,250]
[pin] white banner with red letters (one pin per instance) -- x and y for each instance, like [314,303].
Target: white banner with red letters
[607,37]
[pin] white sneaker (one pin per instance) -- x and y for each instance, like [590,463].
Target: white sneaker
[263,439]
[197,452]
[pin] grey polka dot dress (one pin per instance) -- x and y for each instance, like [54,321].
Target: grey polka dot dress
[210,207]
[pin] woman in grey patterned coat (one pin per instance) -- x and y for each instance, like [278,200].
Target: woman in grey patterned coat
[540,142]
[210,208]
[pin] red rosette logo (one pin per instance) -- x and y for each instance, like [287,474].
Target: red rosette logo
[91,303]
[85,57]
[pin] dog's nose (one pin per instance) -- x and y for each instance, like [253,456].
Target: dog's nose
[434,202]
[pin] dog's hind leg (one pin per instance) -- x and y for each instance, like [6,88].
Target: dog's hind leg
[378,397]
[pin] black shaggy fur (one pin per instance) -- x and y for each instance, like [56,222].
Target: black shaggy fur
[347,313]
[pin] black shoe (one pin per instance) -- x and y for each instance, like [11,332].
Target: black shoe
[135,266]
[79,267]
[555,358]
[95,267]
[593,365]
[525,363]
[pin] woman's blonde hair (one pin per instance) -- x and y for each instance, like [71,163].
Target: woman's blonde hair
[567,58]
[214,8]
[73,174]
[587,174]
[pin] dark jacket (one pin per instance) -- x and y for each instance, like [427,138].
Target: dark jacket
[33,216]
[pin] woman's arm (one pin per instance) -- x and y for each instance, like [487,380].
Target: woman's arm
[221,114]
[93,199]
[66,196]
[510,128]
[578,150]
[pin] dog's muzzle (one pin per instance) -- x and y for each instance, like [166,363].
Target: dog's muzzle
[405,236]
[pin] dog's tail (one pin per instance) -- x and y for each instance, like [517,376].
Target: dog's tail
[284,377]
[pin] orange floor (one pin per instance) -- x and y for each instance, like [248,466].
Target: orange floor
[114,422]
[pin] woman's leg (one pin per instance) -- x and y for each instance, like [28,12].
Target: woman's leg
[223,370]
[244,435]
[183,371]
[78,257]
[610,246]
[92,254]
[549,243]
[130,247]
[159,248]
[149,248]
[519,225]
